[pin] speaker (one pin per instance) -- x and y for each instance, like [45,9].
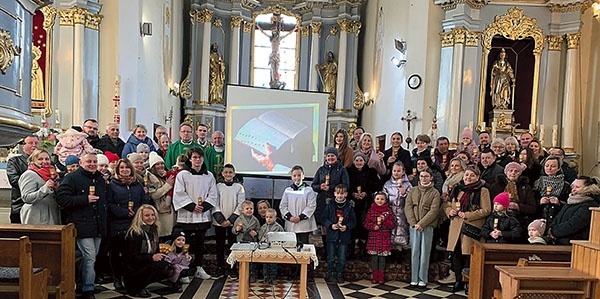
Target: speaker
[131,118]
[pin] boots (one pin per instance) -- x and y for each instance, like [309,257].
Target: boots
[375,278]
[381,276]
[331,277]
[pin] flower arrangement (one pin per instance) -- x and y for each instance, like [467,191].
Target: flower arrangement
[47,136]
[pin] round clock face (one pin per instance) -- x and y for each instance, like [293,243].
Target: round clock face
[414,81]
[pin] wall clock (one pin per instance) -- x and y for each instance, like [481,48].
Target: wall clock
[414,81]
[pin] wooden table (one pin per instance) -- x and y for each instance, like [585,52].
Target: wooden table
[273,255]
[544,280]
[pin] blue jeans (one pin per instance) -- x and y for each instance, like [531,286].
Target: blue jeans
[270,271]
[420,244]
[340,250]
[89,248]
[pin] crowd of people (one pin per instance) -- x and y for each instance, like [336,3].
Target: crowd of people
[128,199]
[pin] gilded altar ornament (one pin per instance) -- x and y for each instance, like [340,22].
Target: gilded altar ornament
[217,76]
[502,83]
[316,27]
[37,77]
[555,42]
[184,88]
[236,22]
[8,51]
[328,74]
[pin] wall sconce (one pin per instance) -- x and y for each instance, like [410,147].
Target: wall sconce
[361,99]
[400,45]
[596,10]
[174,91]
[146,29]
[399,63]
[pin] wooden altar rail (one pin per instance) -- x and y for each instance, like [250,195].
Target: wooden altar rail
[586,254]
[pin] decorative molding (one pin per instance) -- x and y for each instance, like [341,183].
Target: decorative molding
[349,25]
[185,90]
[49,13]
[201,16]
[316,27]
[93,21]
[447,39]
[452,4]
[247,27]
[333,30]
[472,38]
[236,21]
[573,40]
[579,6]
[460,35]
[75,16]
[8,51]
[555,42]
[514,25]
[218,22]
[79,15]
[304,31]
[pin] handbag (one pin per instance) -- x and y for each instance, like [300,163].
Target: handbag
[471,231]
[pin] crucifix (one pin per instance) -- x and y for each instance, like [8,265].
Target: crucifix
[408,118]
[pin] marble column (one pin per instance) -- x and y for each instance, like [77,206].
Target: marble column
[551,96]
[234,60]
[314,55]
[341,82]
[206,19]
[456,83]
[78,64]
[571,92]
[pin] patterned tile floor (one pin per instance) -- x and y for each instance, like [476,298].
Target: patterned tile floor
[227,288]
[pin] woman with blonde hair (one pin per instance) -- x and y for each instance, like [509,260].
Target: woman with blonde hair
[38,186]
[375,157]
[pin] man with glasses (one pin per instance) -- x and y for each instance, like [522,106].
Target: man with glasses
[111,142]
[90,127]
[186,141]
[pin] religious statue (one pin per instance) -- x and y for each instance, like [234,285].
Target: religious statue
[275,37]
[502,82]
[328,73]
[217,76]
[37,78]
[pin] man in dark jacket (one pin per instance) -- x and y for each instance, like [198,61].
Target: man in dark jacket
[111,141]
[82,196]
[14,169]
[489,169]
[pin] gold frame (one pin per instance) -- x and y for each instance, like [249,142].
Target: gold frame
[504,25]
[280,10]
[49,13]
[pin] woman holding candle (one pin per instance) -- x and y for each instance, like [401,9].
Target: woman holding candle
[38,185]
[522,203]
[160,190]
[395,153]
[124,195]
[469,204]
[456,173]
[551,189]
[344,151]
[375,157]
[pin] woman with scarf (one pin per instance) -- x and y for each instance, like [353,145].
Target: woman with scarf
[573,220]
[551,189]
[469,205]
[374,157]
[363,183]
[522,204]
[124,196]
[38,185]
[143,262]
[160,190]
[456,172]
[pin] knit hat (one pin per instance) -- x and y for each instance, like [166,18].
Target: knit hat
[539,225]
[176,234]
[331,150]
[503,199]
[134,157]
[102,159]
[154,158]
[112,157]
[71,160]
[513,165]
[467,133]
[142,148]
[359,154]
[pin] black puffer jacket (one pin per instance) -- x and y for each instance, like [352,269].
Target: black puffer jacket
[573,222]
[118,196]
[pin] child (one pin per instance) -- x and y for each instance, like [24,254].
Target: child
[225,213]
[467,144]
[73,143]
[379,221]
[536,232]
[72,163]
[422,208]
[103,167]
[180,260]
[499,227]
[144,151]
[112,161]
[269,270]
[339,219]
[246,226]
[397,188]
[261,212]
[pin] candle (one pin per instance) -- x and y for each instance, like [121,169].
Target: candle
[493,130]
[379,219]
[56,118]
[555,135]
[199,200]
[92,190]
[471,125]
[458,206]
[240,224]
[414,171]
[475,152]
[146,181]
[495,223]
[548,190]
[340,220]
[399,181]
[482,128]
[542,133]
[186,248]
[327,179]
[130,205]
[358,189]
[52,172]
[521,158]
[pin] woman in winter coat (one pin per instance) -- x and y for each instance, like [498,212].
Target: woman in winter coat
[160,186]
[138,136]
[469,203]
[551,189]
[38,185]
[522,204]
[375,157]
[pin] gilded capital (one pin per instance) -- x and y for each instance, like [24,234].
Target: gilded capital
[205,16]
[578,6]
[459,35]
[304,31]
[555,42]
[65,17]
[236,22]
[573,40]
[247,27]
[79,15]
[92,21]
[472,38]
[349,26]
[447,39]
[316,27]
[49,13]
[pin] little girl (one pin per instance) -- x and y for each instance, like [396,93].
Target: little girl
[467,144]
[180,260]
[397,188]
[379,222]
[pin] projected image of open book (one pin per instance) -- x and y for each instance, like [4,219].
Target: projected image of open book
[270,127]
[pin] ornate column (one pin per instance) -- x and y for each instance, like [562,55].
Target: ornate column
[341,82]
[314,54]
[234,60]
[550,113]
[78,63]
[571,92]
[453,123]
[205,17]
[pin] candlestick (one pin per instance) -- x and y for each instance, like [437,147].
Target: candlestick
[542,133]
[555,135]
[92,190]
[327,179]
[56,119]
[471,125]
[495,223]
[130,205]
[199,200]
[493,130]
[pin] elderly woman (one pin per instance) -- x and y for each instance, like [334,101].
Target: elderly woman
[470,204]
[375,157]
[522,201]
[38,185]
[499,149]
[512,147]
[551,189]
[138,136]
[573,220]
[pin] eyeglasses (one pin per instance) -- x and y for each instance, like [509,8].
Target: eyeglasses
[424,176]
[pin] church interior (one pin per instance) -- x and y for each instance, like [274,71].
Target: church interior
[434,67]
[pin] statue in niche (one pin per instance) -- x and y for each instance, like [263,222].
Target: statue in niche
[275,37]
[328,73]
[502,82]
[37,77]
[217,76]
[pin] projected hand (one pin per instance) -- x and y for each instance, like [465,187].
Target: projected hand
[264,159]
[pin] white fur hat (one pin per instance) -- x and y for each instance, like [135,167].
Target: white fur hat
[154,158]
[102,159]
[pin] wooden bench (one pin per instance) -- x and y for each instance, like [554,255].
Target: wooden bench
[17,274]
[484,278]
[53,248]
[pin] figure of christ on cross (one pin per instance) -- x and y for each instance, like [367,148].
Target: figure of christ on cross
[277,28]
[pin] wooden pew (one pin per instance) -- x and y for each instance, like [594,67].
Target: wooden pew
[53,248]
[484,278]
[16,263]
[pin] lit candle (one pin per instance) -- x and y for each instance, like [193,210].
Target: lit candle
[186,248]
[199,200]
[555,135]
[56,118]
[340,220]
[458,206]
[92,190]
[130,205]
[358,189]
[327,179]
[495,223]
[548,190]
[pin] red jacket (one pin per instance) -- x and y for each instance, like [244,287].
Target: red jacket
[380,240]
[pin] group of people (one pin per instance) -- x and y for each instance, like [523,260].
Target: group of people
[368,203]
